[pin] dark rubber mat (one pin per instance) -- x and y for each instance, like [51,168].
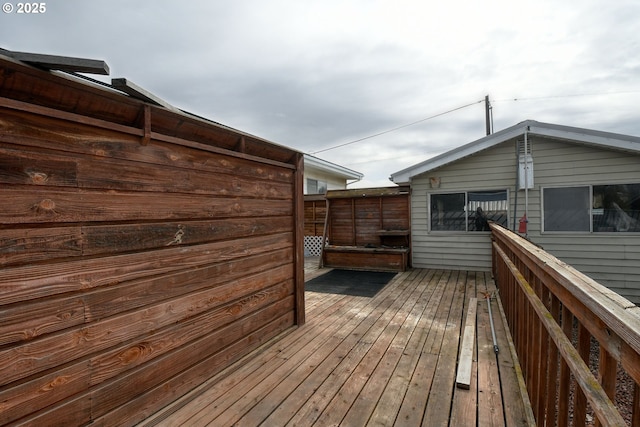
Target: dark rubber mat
[349,282]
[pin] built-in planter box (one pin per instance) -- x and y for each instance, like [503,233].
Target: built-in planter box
[363,258]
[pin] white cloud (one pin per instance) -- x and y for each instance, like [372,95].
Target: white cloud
[316,74]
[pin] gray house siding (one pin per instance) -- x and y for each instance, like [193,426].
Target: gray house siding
[611,258]
[493,169]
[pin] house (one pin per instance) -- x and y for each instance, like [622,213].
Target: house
[573,191]
[321,175]
[143,249]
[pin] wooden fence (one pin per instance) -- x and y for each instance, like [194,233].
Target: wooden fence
[578,342]
[142,250]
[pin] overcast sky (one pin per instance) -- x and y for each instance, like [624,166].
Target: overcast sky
[315,74]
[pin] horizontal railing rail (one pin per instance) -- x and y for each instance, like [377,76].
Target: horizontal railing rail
[578,343]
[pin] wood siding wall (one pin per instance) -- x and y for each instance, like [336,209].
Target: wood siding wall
[612,259]
[315,212]
[358,221]
[135,263]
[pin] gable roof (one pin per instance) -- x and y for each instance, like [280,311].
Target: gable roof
[573,134]
[331,168]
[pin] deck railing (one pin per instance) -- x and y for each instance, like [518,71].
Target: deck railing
[578,343]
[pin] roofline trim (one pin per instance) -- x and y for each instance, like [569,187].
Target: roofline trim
[574,134]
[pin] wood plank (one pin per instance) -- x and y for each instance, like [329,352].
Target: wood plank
[230,280]
[113,362]
[415,400]
[518,411]
[38,281]
[53,350]
[42,205]
[31,396]
[112,394]
[24,322]
[289,381]
[464,408]
[316,364]
[389,403]
[28,245]
[136,410]
[379,361]
[103,239]
[23,131]
[490,403]
[302,363]
[444,378]
[36,168]
[285,355]
[467,349]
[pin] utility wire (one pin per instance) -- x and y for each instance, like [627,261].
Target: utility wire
[399,127]
[536,98]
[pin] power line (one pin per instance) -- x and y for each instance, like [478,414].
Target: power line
[399,127]
[537,98]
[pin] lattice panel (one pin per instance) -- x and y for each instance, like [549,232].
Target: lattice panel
[313,245]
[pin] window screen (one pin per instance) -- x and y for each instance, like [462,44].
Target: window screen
[616,208]
[447,212]
[486,206]
[566,209]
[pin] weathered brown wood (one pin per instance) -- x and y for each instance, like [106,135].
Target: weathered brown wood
[136,410]
[360,220]
[21,322]
[468,346]
[45,132]
[573,358]
[465,407]
[22,246]
[100,335]
[28,245]
[491,410]
[349,365]
[43,205]
[445,370]
[37,281]
[132,273]
[518,410]
[23,83]
[44,390]
[356,258]
[298,230]
[361,362]
[253,375]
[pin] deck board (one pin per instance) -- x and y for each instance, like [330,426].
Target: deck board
[381,361]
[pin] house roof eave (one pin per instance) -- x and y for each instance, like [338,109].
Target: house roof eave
[577,135]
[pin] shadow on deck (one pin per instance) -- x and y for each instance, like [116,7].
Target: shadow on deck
[386,360]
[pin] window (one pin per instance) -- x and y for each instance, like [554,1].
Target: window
[468,211]
[315,186]
[566,209]
[597,208]
[616,208]
[447,212]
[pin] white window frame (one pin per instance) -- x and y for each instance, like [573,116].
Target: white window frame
[591,210]
[466,204]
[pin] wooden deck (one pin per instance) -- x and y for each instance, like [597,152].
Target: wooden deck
[386,360]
